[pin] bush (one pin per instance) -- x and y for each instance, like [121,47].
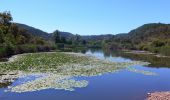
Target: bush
[60,45]
[165,50]
[25,49]
[7,50]
[153,49]
[157,43]
[2,52]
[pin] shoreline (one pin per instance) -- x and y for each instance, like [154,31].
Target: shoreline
[145,53]
[162,95]
[14,57]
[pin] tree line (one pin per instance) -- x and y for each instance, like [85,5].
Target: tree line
[17,40]
[14,40]
[153,37]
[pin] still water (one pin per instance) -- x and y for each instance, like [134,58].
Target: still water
[123,85]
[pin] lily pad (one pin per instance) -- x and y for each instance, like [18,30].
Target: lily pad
[59,69]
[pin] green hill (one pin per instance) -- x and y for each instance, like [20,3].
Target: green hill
[154,37]
[34,31]
[39,33]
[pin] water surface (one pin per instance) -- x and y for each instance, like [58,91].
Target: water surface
[123,85]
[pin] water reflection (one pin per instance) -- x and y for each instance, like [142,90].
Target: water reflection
[124,85]
[157,62]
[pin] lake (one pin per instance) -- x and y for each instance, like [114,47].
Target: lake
[122,85]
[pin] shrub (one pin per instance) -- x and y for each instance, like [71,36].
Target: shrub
[165,50]
[7,50]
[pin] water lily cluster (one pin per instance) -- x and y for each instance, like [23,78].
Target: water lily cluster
[58,69]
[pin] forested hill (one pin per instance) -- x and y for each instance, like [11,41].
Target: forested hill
[34,31]
[66,35]
[150,32]
[37,32]
[154,37]
[15,39]
[19,38]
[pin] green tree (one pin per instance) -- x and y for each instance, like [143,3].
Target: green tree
[63,40]
[14,30]
[56,36]
[84,42]
[1,36]
[157,43]
[5,18]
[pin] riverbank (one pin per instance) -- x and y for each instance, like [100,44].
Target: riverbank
[145,53]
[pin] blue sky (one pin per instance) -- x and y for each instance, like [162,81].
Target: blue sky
[88,17]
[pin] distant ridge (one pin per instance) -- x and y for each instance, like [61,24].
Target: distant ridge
[34,31]
[39,33]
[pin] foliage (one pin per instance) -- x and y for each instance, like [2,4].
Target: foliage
[14,40]
[151,37]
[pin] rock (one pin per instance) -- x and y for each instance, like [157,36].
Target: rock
[159,96]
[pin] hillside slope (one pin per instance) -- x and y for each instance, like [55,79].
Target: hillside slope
[34,31]
[154,37]
[149,32]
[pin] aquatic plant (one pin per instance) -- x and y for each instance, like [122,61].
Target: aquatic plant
[51,81]
[141,71]
[59,69]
